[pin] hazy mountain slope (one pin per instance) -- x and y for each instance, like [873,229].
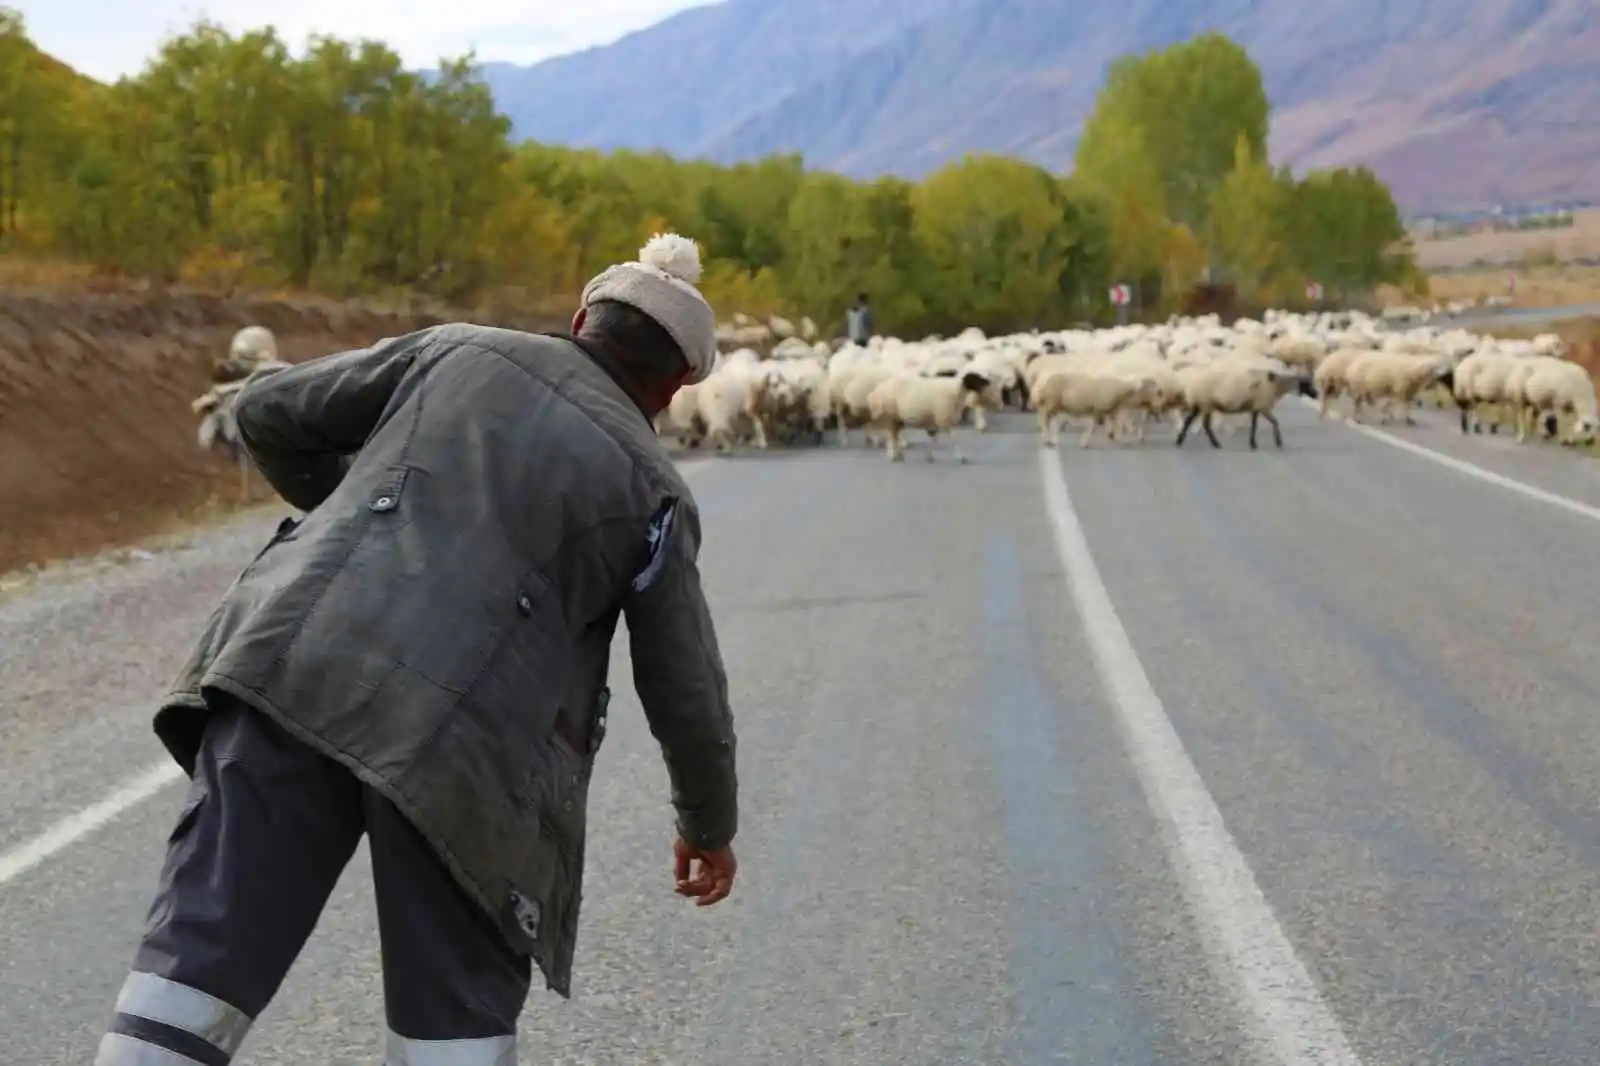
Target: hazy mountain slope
[685,80]
[1452,101]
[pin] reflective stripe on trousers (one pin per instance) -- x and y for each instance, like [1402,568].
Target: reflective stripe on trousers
[161,1022]
[486,1051]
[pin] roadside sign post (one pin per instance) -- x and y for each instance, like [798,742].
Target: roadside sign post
[1121,295]
[1314,293]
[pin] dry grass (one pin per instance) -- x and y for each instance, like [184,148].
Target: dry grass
[44,275]
[1557,285]
[1582,334]
[1581,240]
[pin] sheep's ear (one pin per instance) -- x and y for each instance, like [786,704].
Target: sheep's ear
[974,381]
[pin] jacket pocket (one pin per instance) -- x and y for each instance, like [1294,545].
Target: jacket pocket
[584,743]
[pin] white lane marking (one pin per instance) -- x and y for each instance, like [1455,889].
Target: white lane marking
[30,853]
[1250,953]
[18,860]
[1472,469]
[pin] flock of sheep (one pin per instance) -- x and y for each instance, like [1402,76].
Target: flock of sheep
[1187,370]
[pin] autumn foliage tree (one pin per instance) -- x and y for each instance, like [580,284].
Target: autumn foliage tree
[233,159]
[1175,149]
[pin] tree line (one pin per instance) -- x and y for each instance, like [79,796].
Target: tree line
[229,159]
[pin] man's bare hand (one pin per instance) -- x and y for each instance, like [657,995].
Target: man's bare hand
[711,877]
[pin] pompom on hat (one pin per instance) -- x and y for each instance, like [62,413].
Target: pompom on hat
[662,285]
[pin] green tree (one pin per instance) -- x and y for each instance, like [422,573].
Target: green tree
[845,237]
[1192,102]
[235,159]
[995,233]
[1248,216]
[1126,182]
[1343,230]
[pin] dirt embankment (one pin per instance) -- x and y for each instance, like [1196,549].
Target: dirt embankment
[97,439]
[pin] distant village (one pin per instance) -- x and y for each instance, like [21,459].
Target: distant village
[1500,218]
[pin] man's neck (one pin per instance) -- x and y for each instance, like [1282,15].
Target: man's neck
[599,351]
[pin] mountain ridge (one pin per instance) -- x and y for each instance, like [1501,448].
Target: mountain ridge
[1453,104]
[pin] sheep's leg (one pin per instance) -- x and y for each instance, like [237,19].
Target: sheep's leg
[1088,434]
[1255,418]
[1045,438]
[1205,424]
[1463,408]
[895,448]
[1476,408]
[1522,423]
[760,431]
[1183,430]
[1272,420]
[933,443]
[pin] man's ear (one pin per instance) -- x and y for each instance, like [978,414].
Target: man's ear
[578,320]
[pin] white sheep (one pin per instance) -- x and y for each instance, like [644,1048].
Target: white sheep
[1330,376]
[730,400]
[932,404]
[852,375]
[1239,386]
[1558,386]
[1085,387]
[1394,379]
[1481,379]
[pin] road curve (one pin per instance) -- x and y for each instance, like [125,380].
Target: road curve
[965,840]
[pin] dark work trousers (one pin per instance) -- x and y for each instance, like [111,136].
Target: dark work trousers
[268,827]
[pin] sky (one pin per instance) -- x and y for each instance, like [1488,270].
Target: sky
[109,38]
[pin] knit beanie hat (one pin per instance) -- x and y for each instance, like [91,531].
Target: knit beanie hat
[661,284]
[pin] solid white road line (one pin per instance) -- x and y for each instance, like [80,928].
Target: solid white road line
[1278,1001]
[1471,469]
[30,853]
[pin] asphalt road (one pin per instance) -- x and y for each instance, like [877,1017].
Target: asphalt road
[1296,761]
[1516,317]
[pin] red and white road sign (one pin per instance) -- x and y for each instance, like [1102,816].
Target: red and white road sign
[1313,291]
[1121,294]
